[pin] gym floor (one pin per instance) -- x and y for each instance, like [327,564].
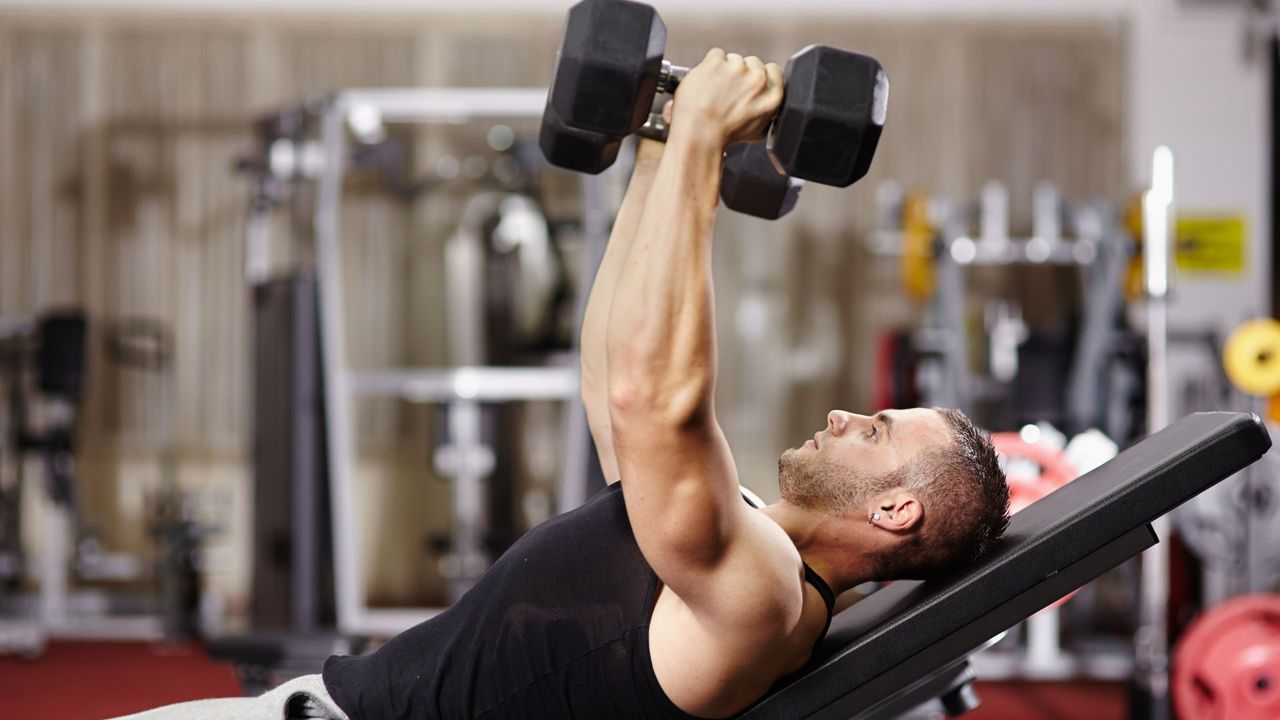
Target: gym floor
[91,681]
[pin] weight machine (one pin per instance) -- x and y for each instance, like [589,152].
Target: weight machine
[42,363]
[1096,384]
[320,143]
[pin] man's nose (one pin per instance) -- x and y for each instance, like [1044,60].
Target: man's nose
[838,420]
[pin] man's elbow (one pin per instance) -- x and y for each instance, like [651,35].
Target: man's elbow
[671,405]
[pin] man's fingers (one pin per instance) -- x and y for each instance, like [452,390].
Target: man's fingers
[733,58]
[774,72]
[755,66]
[715,53]
[667,110]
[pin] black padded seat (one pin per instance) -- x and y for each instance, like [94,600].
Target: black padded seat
[887,644]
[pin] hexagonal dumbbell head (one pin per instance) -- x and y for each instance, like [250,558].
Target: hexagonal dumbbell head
[832,116]
[608,66]
[751,184]
[575,149]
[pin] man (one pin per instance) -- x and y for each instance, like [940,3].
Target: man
[667,595]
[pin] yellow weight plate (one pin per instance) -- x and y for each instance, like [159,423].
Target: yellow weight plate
[1252,357]
[917,247]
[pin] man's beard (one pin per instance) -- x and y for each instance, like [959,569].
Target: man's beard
[823,486]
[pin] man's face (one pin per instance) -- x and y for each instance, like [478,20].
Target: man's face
[857,457]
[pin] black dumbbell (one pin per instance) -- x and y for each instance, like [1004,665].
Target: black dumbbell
[830,121]
[610,68]
[586,151]
[574,149]
[750,184]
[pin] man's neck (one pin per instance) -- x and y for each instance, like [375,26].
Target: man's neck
[835,548]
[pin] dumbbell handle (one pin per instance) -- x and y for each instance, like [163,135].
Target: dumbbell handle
[669,77]
[655,128]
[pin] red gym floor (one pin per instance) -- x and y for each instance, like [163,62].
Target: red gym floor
[91,681]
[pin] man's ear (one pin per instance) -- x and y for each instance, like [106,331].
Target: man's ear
[896,511]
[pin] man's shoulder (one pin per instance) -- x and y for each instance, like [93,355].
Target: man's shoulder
[758,588]
[761,628]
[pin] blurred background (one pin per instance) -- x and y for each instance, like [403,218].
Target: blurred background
[245,248]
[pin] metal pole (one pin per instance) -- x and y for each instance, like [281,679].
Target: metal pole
[348,584]
[1152,641]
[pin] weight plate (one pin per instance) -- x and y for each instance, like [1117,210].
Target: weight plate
[1251,357]
[1227,665]
[1033,471]
[917,247]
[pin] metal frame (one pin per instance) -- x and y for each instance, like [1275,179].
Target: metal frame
[1098,250]
[1151,659]
[462,389]
[55,611]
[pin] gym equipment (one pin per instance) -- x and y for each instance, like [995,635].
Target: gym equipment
[145,345]
[909,642]
[935,243]
[1227,664]
[1035,466]
[610,68]
[1151,640]
[573,149]
[1025,488]
[918,235]
[501,223]
[1103,375]
[310,599]
[292,589]
[1251,357]
[750,183]
[1232,528]
[42,364]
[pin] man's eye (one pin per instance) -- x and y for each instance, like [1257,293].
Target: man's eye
[872,433]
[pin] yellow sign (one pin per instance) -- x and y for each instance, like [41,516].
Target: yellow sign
[1210,244]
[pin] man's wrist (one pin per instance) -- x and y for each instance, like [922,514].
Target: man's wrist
[696,138]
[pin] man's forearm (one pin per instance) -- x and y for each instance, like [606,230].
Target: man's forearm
[595,320]
[661,333]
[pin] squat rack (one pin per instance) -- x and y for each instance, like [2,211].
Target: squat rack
[461,389]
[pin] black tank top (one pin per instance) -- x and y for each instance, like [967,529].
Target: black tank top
[557,628]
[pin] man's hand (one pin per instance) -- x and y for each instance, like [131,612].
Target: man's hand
[726,99]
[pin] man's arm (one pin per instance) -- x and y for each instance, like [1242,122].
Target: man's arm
[595,321]
[681,486]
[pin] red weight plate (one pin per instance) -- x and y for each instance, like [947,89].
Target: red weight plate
[1227,665]
[1055,471]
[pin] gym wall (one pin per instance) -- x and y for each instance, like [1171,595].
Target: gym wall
[119,134]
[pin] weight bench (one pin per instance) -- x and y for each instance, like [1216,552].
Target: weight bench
[909,643]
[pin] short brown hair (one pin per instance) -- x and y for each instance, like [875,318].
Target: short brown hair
[965,501]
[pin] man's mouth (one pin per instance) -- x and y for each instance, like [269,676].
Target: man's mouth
[816,442]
